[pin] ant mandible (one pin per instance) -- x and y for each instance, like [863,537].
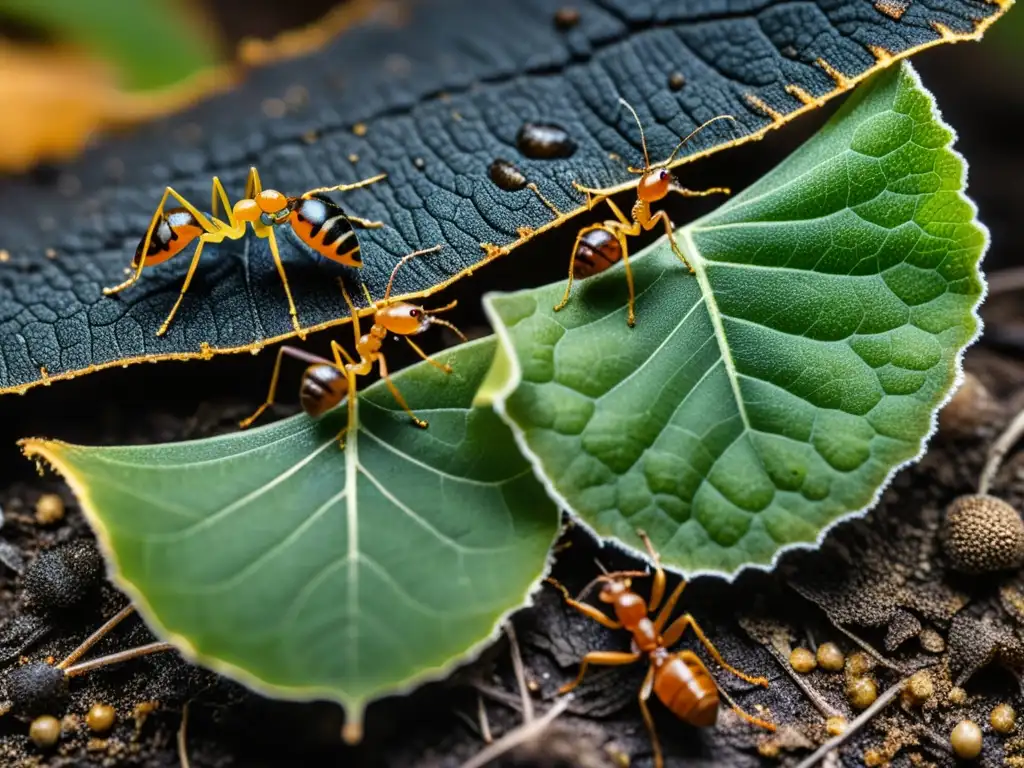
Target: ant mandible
[598,246]
[680,680]
[326,382]
[315,219]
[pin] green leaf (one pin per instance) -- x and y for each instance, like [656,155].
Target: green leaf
[274,558]
[151,42]
[441,96]
[777,390]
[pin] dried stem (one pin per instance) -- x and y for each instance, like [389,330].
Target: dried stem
[519,735]
[96,636]
[115,658]
[517,665]
[998,450]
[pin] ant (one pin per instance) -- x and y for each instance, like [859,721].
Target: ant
[314,218]
[598,246]
[680,680]
[326,382]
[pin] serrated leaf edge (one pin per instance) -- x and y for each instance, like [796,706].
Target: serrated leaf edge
[501,394]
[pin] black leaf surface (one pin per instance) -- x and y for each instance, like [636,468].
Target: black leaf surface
[433,101]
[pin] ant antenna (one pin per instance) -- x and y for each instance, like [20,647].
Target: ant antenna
[347,187]
[680,145]
[643,139]
[414,254]
[608,577]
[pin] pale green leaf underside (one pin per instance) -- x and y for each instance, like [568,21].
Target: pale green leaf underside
[263,555]
[777,389]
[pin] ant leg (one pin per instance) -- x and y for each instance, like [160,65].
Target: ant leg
[587,610]
[441,367]
[669,606]
[269,235]
[602,659]
[364,223]
[692,658]
[645,693]
[398,395]
[658,584]
[631,308]
[663,217]
[679,626]
[352,310]
[253,185]
[203,240]
[339,353]
[298,354]
[219,196]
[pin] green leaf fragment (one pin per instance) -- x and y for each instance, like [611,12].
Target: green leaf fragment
[275,558]
[775,391]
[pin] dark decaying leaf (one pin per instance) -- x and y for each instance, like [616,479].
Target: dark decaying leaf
[433,101]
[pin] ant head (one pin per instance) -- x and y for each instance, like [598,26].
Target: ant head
[247,210]
[654,185]
[403,319]
[614,588]
[271,201]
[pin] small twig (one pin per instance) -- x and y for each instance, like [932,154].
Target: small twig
[502,697]
[816,698]
[182,735]
[517,665]
[468,721]
[519,735]
[998,450]
[485,725]
[115,658]
[855,725]
[867,647]
[96,636]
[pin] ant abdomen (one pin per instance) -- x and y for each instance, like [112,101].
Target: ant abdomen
[323,387]
[598,250]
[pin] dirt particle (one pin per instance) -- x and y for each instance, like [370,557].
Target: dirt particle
[419,163]
[957,696]
[830,658]
[566,18]
[931,641]
[966,740]
[100,718]
[676,81]
[50,253]
[802,660]
[360,129]
[5,256]
[44,731]
[857,664]
[1003,718]
[353,158]
[311,137]
[49,509]
[544,141]
[506,175]
[918,688]
[972,407]
[835,725]
[769,749]
[296,96]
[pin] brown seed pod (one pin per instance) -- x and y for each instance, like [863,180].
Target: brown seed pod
[44,731]
[830,658]
[918,688]
[862,692]
[966,740]
[1003,718]
[971,407]
[100,718]
[802,660]
[983,534]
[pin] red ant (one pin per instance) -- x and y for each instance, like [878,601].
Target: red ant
[680,680]
[326,382]
[316,220]
[598,246]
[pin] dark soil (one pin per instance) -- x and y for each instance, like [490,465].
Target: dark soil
[884,578]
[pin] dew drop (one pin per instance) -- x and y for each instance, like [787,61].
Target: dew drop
[544,141]
[676,81]
[506,175]
[566,18]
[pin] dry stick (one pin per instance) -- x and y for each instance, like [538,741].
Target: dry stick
[502,697]
[855,725]
[870,650]
[517,665]
[519,735]
[115,658]
[182,747]
[816,698]
[485,725]
[998,450]
[96,636]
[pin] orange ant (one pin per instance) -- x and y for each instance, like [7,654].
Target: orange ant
[598,246]
[680,680]
[326,382]
[314,218]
